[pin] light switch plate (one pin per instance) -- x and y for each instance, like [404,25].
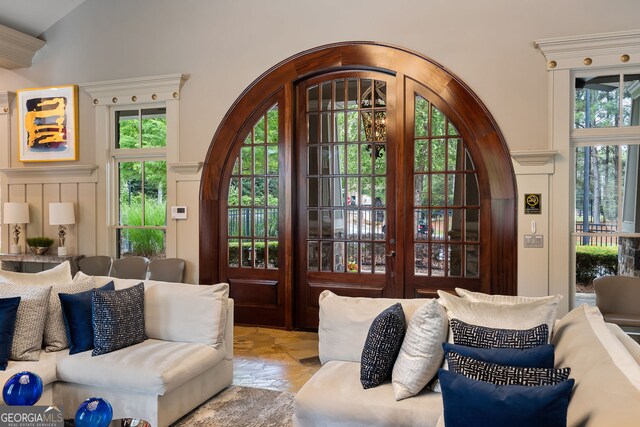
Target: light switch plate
[533,241]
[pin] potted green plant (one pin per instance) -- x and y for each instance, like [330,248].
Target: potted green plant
[39,245]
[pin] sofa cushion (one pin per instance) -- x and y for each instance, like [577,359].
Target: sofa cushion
[186,313]
[503,299]
[480,336]
[504,375]
[476,403]
[55,334]
[335,397]
[421,352]
[8,312]
[118,318]
[30,319]
[605,372]
[77,313]
[345,321]
[59,274]
[381,346]
[629,343]
[495,315]
[153,366]
[537,357]
[45,368]
[180,311]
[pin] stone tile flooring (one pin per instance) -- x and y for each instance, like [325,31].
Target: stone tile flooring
[274,359]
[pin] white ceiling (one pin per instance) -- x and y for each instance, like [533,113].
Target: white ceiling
[34,17]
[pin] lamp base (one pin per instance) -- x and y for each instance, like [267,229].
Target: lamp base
[62,250]
[15,249]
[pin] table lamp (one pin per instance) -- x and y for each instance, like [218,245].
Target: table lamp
[61,214]
[16,213]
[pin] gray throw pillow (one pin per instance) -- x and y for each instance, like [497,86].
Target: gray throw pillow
[55,334]
[30,319]
[118,319]
[504,375]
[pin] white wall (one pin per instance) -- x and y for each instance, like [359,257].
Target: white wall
[224,45]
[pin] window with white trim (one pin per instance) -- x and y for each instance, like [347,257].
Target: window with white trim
[605,143]
[139,180]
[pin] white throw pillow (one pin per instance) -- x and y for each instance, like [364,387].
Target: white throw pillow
[421,353]
[524,315]
[57,275]
[502,299]
[345,321]
[186,313]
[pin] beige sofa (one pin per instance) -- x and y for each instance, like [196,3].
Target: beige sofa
[604,362]
[160,379]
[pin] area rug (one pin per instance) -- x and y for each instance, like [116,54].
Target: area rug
[242,406]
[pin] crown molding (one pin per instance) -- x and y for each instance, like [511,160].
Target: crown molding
[591,50]
[534,157]
[136,90]
[17,49]
[185,168]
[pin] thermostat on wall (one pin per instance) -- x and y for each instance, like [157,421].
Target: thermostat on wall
[178,212]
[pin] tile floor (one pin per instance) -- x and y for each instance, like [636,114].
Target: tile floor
[274,359]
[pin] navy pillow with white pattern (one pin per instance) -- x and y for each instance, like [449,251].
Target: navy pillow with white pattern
[382,346]
[118,319]
[483,337]
[504,375]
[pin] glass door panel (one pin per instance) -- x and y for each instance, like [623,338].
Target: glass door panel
[350,175]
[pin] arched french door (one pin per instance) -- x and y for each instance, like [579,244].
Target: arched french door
[340,169]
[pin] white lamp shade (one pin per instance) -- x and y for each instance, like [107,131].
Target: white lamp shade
[16,213]
[61,213]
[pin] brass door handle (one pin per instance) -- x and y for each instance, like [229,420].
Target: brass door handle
[391,254]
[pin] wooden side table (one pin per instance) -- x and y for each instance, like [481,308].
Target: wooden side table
[16,262]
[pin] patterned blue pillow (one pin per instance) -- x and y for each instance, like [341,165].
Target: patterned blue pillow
[480,336]
[504,375]
[77,313]
[541,356]
[382,346]
[118,319]
[474,403]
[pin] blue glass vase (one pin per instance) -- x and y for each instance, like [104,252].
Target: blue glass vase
[94,412]
[22,389]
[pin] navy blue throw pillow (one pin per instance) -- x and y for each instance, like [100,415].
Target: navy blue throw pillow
[8,310]
[118,319]
[76,310]
[480,336]
[537,357]
[382,346]
[475,403]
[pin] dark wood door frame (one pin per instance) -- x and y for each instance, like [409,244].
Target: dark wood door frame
[485,142]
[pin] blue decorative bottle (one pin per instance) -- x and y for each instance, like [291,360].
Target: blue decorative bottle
[94,412]
[22,389]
